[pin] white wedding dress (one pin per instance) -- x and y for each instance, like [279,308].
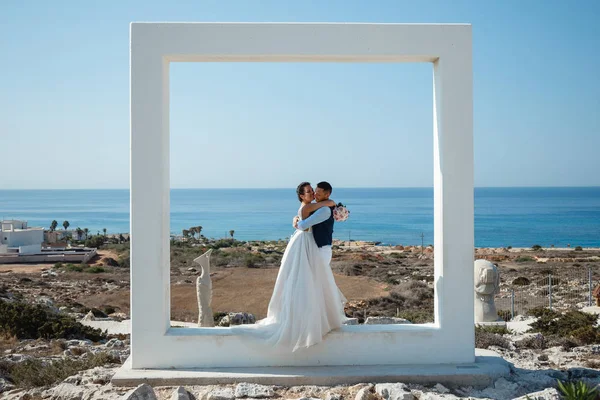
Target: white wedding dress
[306,303]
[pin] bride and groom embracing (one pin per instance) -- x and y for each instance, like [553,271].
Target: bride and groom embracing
[306,303]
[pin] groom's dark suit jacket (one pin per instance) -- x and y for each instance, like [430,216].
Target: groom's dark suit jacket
[323,232]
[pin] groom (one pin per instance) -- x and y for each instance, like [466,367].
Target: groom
[321,222]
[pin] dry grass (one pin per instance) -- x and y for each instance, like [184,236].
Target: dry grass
[36,373]
[7,342]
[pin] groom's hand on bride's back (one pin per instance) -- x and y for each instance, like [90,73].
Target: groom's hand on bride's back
[295,222]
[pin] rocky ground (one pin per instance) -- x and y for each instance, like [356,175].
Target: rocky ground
[379,281]
[534,373]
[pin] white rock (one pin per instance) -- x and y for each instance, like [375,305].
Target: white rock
[253,390]
[79,343]
[114,343]
[333,396]
[97,375]
[89,317]
[69,391]
[225,393]
[441,388]
[180,394]
[364,394]
[546,394]
[386,321]
[434,396]
[5,385]
[394,391]
[351,321]
[142,392]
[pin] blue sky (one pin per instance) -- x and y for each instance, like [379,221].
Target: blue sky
[64,98]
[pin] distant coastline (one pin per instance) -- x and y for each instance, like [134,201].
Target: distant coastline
[517,216]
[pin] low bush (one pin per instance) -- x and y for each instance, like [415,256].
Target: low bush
[505,315]
[217,316]
[417,316]
[521,259]
[586,335]
[398,255]
[521,281]
[36,373]
[95,270]
[537,342]
[485,339]
[578,248]
[95,241]
[34,321]
[571,324]
[498,330]
[536,247]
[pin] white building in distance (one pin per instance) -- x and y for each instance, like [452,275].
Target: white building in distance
[16,237]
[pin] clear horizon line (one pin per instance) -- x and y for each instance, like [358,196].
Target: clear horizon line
[290,187]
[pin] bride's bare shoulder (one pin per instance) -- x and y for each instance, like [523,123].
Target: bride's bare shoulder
[300,211]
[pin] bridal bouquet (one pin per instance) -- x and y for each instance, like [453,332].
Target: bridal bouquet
[340,213]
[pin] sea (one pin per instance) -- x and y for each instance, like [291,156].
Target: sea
[518,217]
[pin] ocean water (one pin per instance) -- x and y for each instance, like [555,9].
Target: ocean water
[518,217]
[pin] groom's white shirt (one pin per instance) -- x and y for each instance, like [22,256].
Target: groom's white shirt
[321,215]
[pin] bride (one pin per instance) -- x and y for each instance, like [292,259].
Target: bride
[306,303]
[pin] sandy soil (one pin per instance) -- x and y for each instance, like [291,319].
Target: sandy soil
[24,268]
[236,289]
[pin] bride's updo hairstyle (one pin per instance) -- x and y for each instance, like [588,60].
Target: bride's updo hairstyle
[300,190]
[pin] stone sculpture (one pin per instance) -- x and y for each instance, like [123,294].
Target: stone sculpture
[204,291]
[487,284]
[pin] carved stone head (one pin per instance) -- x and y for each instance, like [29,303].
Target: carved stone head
[487,278]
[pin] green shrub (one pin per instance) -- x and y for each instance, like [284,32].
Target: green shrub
[34,321]
[521,259]
[586,335]
[417,316]
[538,342]
[577,390]
[541,311]
[578,248]
[222,243]
[73,268]
[484,339]
[521,281]
[565,325]
[397,255]
[109,310]
[505,315]
[95,241]
[253,260]
[124,260]
[95,270]
[36,373]
[498,330]
[217,316]
[536,247]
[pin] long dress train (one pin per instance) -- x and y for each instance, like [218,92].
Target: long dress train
[306,303]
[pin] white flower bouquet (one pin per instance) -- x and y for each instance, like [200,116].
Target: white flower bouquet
[340,213]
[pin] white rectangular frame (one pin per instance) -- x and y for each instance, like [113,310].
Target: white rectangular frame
[154,344]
